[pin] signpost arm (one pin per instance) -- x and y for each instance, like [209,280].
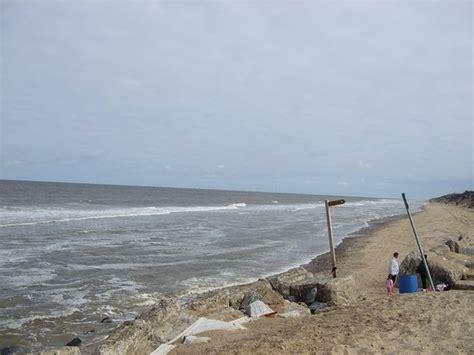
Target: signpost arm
[418,242]
[331,242]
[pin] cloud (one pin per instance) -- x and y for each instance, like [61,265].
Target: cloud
[301,96]
[364,165]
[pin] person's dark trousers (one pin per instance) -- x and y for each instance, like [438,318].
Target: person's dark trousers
[423,281]
[393,278]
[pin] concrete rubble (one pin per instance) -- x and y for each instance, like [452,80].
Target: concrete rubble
[180,318]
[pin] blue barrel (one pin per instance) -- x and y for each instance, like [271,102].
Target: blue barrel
[408,283]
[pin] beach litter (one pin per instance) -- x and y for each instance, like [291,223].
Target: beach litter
[258,309]
[192,339]
[199,326]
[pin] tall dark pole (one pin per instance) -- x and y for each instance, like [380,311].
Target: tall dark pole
[418,242]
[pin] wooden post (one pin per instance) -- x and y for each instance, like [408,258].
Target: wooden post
[331,242]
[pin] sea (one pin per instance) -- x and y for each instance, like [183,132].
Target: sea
[74,254]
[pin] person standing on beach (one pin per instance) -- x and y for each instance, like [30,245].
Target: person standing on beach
[389,285]
[393,266]
[421,269]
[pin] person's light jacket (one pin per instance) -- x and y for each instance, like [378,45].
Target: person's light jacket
[393,266]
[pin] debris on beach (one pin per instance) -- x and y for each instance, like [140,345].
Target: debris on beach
[258,309]
[223,309]
[205,325]
[200,326]
[192,339]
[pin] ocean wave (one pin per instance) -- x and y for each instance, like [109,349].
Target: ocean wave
[363,203]
[37,216]
[81,215]
[51,315]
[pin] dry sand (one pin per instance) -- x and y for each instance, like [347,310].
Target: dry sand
[430,322]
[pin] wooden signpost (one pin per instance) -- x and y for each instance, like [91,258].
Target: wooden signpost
[331,242]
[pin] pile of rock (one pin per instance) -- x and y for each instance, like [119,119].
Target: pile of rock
[448,263]
[292,294]
[463,244]
[296,293]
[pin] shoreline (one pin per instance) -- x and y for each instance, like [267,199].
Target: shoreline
[320,264]
[323,262]
[353,240]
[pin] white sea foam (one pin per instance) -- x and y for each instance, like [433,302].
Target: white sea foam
[204,284]
[51,315]
[368,203]
[108,310]
[34,216]
[28,217]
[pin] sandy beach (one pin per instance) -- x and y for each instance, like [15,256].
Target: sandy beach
[425,322]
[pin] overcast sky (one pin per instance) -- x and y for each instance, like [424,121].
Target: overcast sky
[347,98]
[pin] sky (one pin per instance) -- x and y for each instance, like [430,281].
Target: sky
[362,98]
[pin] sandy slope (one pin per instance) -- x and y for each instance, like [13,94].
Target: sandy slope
[441,322]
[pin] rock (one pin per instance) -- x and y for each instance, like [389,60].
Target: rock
[442,249]
[283,282]
[272,297]
[305,291]
[257,309]
[465,285]
[469,250]
[7,350]
[338,291]
[310,296]
[316,306]
[463,245]
[409,265]
[106,320]
[75,342]
[235,295]
[441,268]
[134,337]
[249,298]
[288,306]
